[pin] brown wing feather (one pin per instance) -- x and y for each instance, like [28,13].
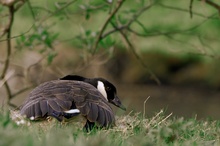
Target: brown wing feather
[37,110]
[43,108]
[101,117]
[60,95]
[93,113]
[64,105]
[54,105]
[84,108]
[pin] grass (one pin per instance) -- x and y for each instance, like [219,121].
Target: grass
[131,129]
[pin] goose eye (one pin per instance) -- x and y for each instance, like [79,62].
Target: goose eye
[108,88]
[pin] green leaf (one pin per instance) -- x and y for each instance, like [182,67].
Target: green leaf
[7,120]
[88,33]
[122,20]
[22,38]
[50,57]
[107,42]
[87,15]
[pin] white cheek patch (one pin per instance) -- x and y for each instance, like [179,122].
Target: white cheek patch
[72,111]
[101,88]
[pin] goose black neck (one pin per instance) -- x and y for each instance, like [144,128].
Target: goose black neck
[73,77]
[80,78]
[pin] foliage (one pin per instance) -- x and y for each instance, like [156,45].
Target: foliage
[132,129]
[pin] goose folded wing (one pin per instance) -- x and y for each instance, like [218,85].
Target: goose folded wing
[46,100]
[96,109]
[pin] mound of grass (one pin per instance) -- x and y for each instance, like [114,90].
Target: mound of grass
[131,129]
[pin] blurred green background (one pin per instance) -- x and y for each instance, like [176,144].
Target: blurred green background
[56,38]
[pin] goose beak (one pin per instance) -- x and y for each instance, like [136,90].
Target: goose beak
[116,101]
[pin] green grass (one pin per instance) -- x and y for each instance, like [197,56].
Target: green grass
[130,130]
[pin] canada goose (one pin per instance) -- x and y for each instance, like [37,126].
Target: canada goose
[73,95]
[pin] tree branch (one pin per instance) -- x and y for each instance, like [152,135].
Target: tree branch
[31,9]
[16,36]
[120,2]
[58,10]
[21,91]
[186,10]
[132,48]
[158,33]
[12,9]
[214,5]
[7,61]
[126,26]
[190,8]
[8,31]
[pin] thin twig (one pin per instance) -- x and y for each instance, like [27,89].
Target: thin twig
[58,10]
[154,77]
[158,33]
[139,13]
[204,54]
[120,2]
[12,105]
[7,61]
[190,8]
[16,36]
[114,30]
[21,91]
[132,48]
[126,26]
[185,10]
[31,9]
[8,30]
[6,78]
[42,8]
[216,6]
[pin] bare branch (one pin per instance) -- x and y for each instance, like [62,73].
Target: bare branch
[190,8]
[126,26]
[12,7]
[139,13]
[58,10]
[12,105]
[6,78]
[186,10]
[42,8]
[158,33]
[21,91]
[6,65]
[8,30]
[200,53]
[113,30]
[214,5]
[31,9]
[120,2]
[13,37]
[132,48]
